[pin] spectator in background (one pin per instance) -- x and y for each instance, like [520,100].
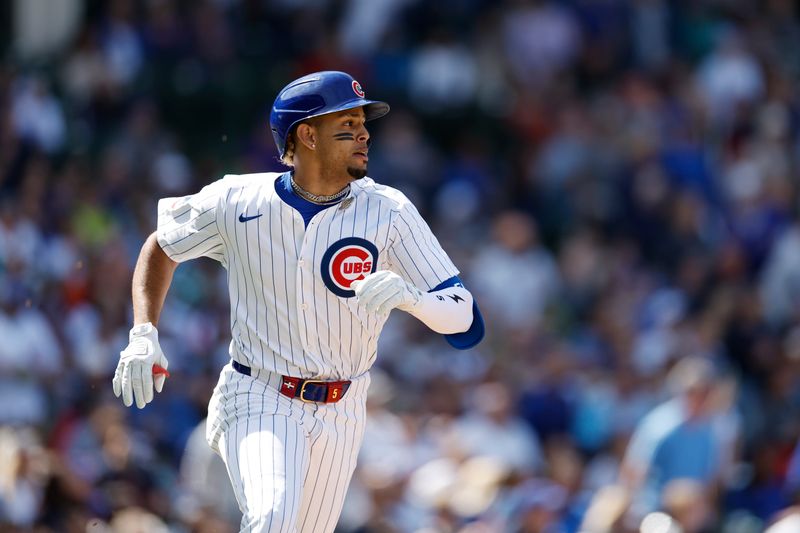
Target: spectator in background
[135,520]
[30,353]
[491,428]
[541,38]
[760,493]
[729,78]
[23,477]
[622,174]
[687,437]
[443,74]
[403,135]
[606,511]
[365,24]
[780,279]
[515,258]
[539,507]
[37,115]
[690,503]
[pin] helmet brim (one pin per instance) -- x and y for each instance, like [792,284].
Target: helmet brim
[372,109]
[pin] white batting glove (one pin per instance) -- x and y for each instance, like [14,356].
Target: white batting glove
[384,290]
[134,377]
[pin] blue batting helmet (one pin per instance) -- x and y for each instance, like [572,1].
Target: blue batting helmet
[318,94]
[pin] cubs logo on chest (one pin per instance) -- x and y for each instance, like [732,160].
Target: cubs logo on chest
[346,261]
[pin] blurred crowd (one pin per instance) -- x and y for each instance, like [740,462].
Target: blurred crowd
[617,180]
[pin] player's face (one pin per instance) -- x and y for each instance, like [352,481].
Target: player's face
[344,142]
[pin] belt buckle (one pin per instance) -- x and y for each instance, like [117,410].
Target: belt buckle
[303,390]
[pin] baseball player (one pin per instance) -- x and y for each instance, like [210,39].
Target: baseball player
[316,257]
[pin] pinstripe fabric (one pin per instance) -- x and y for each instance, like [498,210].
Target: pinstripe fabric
[290,462]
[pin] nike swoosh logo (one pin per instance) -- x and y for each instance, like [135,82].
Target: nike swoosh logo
[243,218]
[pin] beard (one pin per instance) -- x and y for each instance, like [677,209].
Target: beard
[357,173]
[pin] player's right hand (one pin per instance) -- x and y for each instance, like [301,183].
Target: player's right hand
[134,375]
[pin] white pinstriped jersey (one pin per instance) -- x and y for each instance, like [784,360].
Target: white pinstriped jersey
[291,308]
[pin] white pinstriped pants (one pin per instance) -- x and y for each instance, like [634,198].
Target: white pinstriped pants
[289,462]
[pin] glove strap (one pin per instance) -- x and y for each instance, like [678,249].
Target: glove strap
[141,330]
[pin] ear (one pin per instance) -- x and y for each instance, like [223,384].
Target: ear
[306,134]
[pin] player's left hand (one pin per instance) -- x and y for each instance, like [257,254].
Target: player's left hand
[138,364]
[384,290]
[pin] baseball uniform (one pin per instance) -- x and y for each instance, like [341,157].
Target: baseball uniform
[290,266]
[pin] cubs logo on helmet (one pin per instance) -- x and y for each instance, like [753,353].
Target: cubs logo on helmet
[357,89]
[346,261]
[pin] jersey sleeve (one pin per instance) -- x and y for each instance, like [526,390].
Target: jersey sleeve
[416,253]
[187,226]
